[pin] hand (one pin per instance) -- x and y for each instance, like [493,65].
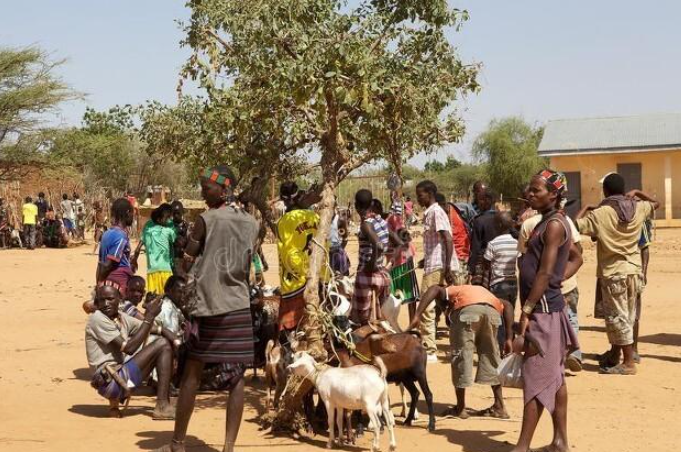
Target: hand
[265,267]
[421,263]
[518,345]
[449,277]
[413,325]
[153,309]
[508,347]
[632,194]
[133,264]
[534,346]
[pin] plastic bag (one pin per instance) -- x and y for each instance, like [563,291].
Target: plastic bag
[510,371]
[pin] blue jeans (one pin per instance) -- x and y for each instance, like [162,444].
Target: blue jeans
[571,301]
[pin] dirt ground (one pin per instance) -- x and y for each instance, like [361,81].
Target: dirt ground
[46,403]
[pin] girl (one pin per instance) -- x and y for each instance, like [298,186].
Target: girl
[158,237]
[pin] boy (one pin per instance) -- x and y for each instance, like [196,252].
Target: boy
[439,258]
[30,218]
[372,282]
[617,223]
[475,316]
[114,346]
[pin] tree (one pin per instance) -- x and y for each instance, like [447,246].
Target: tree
[28,89]
[351,84]
[509,147]
[434,166]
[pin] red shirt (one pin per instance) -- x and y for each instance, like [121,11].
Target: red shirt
[462,296]
[462,243]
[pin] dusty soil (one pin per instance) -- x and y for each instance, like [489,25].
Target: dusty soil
[46,403]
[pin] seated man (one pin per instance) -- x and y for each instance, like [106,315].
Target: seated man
[475,316]
[111,341]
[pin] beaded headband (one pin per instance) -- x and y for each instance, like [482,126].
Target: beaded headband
[216,177]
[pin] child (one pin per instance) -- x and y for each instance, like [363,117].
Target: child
[401,258]
[475,315]
[80,223]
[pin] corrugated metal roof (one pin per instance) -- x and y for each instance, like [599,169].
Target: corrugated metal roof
[591,135]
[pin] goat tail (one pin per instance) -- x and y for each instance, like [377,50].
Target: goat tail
[382,370]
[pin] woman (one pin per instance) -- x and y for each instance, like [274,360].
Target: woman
[158,237]
[545,334]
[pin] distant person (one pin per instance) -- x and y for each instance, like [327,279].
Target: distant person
[99,220]
[338,238]
[478,188]
[54,232]
[439,258]
[482,232]
[5,230]
[475,317]
[43,205]
[29,221]
[114,251]
[409,212]
[158,238]
[80,223]
[68,214]
[181,233]
[616,223]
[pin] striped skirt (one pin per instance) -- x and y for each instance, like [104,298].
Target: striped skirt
[226,338]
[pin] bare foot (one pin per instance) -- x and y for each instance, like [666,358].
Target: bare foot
[455,411]
[495,412]
[229,447]
[165,412]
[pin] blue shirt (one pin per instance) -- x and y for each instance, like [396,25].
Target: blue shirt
[115,246]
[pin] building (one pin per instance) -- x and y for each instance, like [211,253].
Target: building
[646,150]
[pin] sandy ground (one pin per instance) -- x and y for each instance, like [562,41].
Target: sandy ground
[46,403]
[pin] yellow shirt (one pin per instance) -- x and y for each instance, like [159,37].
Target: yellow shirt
[30,212]
[295,231]
[526,229]
[617,246]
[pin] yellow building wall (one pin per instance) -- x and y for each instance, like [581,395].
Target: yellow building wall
[653,172]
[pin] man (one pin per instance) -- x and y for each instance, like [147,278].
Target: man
[54,233]
[460,238]
[222,329]
[338,238]
[114,346]
[43,205]
[295,231]
[181,234]
[114,251]
[616,224]
[475,316]
[483,231]
[68,214]
[439,262]
[29,215]
[99,222]
[5,230]
[569,288]
[478,188]
[135,210]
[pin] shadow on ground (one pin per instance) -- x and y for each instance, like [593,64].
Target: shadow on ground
[102,410]
[673,339]
[154,440]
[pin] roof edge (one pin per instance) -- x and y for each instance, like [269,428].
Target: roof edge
[615,150]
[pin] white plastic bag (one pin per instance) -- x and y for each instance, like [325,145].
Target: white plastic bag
[510,371]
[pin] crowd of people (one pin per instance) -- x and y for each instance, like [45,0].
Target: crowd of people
[193,315]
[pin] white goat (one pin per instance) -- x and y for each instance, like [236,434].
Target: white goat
[352,388]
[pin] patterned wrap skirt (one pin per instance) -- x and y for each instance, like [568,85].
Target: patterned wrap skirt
[226,338]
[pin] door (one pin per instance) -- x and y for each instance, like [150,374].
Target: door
[574,193]
[631,172]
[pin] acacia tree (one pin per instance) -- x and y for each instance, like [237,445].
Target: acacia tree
[509,147]
[311,78]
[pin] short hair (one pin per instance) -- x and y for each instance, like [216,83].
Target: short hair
[363,198]
[503,221]
[136,279]
[41,195]
[177,205]
[120,208]
[173,281]
[64,196]
[161,210]
[440,198]
[29,199]
[288,189]
[614,184]
[377,206]
[428,186]
[488,194]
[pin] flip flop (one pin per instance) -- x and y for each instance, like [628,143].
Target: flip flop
[618,370]
[452,412]
[491,413]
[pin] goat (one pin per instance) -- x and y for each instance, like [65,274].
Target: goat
[275,373]
[354,388]
[405,359]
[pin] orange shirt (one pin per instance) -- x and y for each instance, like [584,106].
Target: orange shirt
[462,296]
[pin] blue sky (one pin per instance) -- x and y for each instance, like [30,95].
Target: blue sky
[543,59]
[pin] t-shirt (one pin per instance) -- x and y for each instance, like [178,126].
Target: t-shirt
[42,208]
[483,231]
[467,295]
[128,307]
[434,222]
[171,317]
[380,227]
[30,212]
[115,246]
[617,245]
[462,242]
[158,241]
[526,229]
[502,253]
[295,231]
[67,210]
[100,331]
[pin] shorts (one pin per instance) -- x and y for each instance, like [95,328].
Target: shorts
[68,224]
[108,388]
[620,294]
[473,329]
[291,310]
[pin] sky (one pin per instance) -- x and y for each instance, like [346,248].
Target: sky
[542,59]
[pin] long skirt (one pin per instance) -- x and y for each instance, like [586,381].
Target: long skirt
[544,375]
[226,338]
[156,281]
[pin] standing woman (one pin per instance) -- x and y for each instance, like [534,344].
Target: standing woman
[158,237]
[545,334]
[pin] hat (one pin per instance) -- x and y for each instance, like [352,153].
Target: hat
[602,180]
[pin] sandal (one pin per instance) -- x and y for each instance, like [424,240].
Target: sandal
[492,413]
[619,369]
[454,412]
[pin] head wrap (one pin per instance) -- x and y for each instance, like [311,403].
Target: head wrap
[109,283]
[214,175]
[554,179]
